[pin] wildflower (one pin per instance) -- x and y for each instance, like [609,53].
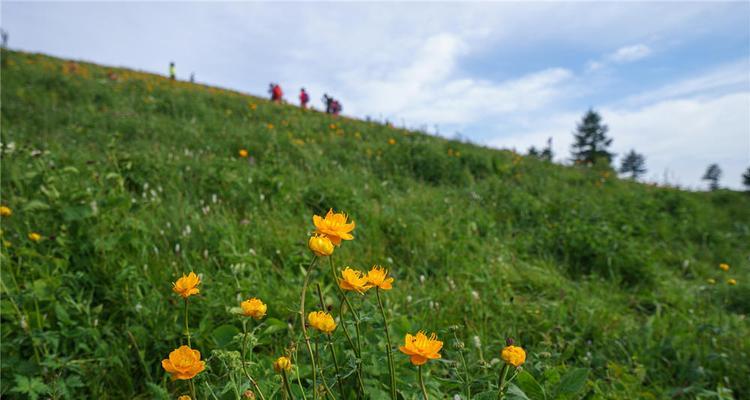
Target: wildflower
[320,245]
[254,308]
[243,153]
[334,226]
[421,348]
[184,397]
[732,281]
[35,237]
[711,281]
[377,276]
[391,141]
[5,211]
[354,280]
[724,267]
[187,285]
[513,355]
[321,321]
[282,364]
[270,126]
[248,394]
[183,363]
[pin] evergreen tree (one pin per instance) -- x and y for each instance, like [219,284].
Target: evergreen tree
[633,164]
[746,178]
[533,152]
[547,153]
[712,175]
[591,141]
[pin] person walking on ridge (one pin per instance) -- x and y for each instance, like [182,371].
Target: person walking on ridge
[304,98]
[172,73]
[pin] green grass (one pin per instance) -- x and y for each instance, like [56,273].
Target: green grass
[586,271]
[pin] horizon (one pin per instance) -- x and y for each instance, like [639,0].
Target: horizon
[676,90]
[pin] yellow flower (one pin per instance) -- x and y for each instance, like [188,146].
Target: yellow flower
[421,348]
[187,285]
[243,153]
[282,364]
[183,363]
[254,308]
[334,226]
[35,237]
[353,280]
[724,267]
[270,126]
[513,355]
[321,321]
[377,276]
[184,397]
[732,281]
[391,141]
[5,211]
[320,245]
[711,281]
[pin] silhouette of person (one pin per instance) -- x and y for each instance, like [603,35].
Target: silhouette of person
[172,73]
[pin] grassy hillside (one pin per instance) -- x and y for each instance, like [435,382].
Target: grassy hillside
[132,180]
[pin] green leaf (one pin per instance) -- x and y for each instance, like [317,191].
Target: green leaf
[224,334]
[526,382]
[33,387]
[274,325]
[35,205]
[572,382]
[515,393]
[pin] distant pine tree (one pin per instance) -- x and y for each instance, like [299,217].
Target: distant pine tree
[746,178]
[633,164]
[591,141]
[712,175]
[547,153]
[533,152]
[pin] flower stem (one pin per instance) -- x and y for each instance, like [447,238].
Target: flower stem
[391,368]
[330,346]
[304,328]
[421,384]
[286,385]
[192,389]
[244,368]
[356,349]
[187,328]
[501,382]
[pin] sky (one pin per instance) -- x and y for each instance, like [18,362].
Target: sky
[670,79]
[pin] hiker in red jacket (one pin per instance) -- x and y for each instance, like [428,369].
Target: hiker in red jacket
[277,93]
[303,98]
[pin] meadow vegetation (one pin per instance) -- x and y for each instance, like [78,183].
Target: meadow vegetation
[130,180]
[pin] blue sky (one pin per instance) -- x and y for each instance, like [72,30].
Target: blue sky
[671,79]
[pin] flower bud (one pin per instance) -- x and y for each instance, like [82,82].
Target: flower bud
[320,245]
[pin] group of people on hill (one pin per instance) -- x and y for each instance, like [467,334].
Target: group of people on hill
[333,106]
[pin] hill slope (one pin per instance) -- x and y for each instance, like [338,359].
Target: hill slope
[132,179]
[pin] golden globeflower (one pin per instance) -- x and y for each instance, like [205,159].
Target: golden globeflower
[334,226]
[421,348]
[724,267]
[243,153]
[5,211]
[184,397]
[187,285]
[353,280]
[282,364]
[378,276]
[391,141]
[183,363]
[254,308]
[732,281]
[320,245]
[513,355]
[321,321]
[35,237]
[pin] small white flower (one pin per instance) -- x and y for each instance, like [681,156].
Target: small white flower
[475,295]
[477,342]
[177,248]
[495,361]
[408,299]
[138,307]
[214,198]
[421,279]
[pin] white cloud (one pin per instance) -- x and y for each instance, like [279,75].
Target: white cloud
[630,53]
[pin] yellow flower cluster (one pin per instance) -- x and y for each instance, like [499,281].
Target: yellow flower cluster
[254,308]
